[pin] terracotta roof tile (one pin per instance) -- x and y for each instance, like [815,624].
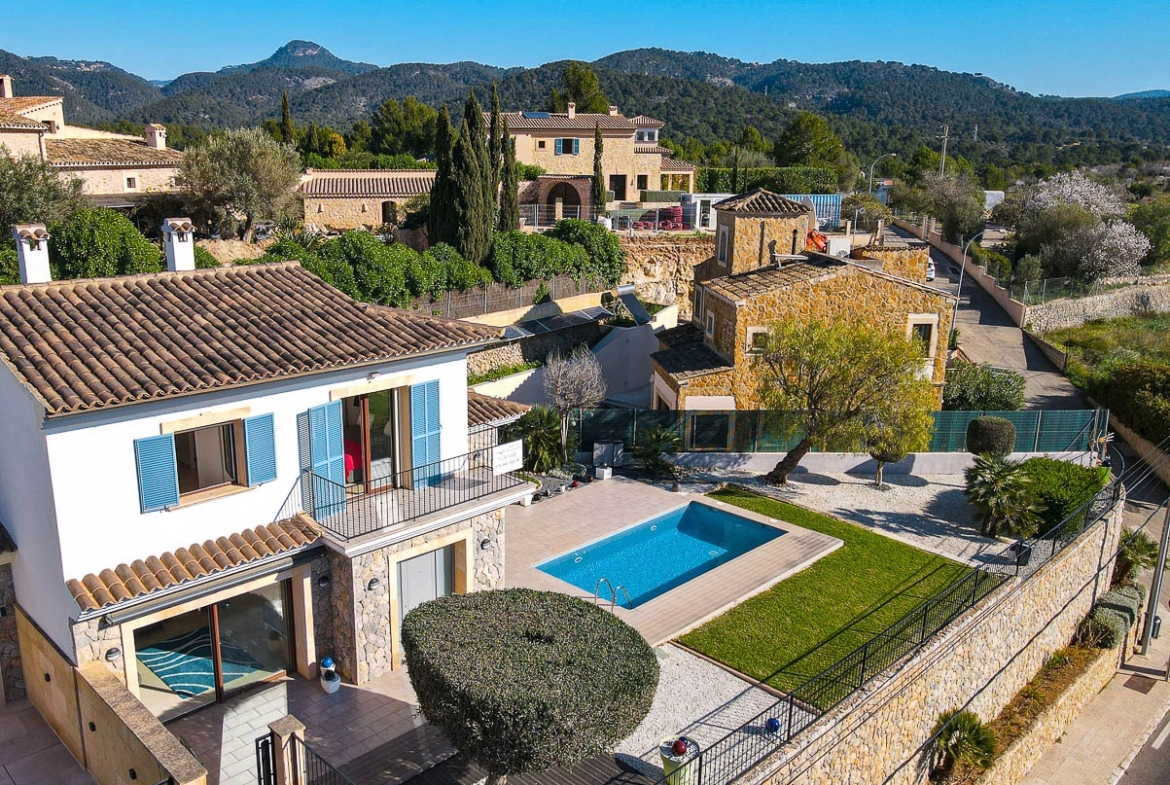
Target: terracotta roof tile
[391,185]
[25,103]
[761,201]
[483,409]
[671,165]
[642,121]
[155,573]
[554,121]
[767,279]
[691,361]
[107,152]
[12,120]
[651,148]
[92,344]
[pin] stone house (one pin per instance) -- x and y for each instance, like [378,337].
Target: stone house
[344,199]
[115,170]
[562,145]
[755,278]
[214,478]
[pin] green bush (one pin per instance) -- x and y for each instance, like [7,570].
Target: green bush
[655,449]
[972,387]
[517,257]
[607,259]
[1001,494]
[461,274]
[378,269]
[992,436]
[522,680]
[97,242]
[1138,393]
[1112,616]
[425,274]
[1062,487]
[778,179]
[204,260]
[9,265]
[540,430]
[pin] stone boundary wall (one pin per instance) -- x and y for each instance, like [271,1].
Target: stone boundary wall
[883,734]
[536,348]
[1156,459]
[1056,355]
[1014,763]
[662,269]
[1134,300]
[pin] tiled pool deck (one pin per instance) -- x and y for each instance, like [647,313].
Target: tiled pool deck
[596,510]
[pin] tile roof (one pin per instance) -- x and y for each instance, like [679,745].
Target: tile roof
[95,343]
[12,120]
[552,121]
[483,409]
[671,165]
[651,148]
[642,121]
[108,152]
[156,573]
[761,201]
[690,361]
[393,184]
[26,103]
[681,335]
[772,278]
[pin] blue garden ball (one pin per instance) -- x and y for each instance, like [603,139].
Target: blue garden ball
[327,663]
[773,725]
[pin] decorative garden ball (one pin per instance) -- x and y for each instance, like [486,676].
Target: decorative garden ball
[680,747]
[327,663]
[773,725]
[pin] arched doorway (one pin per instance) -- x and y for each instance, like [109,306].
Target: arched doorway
[566,193]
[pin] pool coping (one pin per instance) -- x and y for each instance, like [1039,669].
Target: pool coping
[589,514]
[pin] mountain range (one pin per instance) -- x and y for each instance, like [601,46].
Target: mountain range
[697,94]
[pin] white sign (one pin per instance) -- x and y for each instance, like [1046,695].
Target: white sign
[507,457]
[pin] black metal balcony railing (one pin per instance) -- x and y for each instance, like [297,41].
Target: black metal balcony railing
[404,496]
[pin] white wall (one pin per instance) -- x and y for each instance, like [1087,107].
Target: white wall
[95,485]
[624,356]
[26,509]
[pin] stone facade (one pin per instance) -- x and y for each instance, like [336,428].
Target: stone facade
[534,349]
[345,213]
[617,157]
[23,143]
[110,181]
[752,239]
[91,641]
[909,263]
[1152,297]
[662,269]
[980,662]
[10,669]
[365,635]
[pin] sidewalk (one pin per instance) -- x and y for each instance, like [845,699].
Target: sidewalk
[1100,743]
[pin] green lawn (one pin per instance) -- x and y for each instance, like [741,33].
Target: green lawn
[806,623]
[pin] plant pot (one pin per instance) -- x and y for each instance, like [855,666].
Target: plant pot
[330,682]
[602,472]
[526,501]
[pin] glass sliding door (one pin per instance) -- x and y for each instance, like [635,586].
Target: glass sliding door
[175,662]
[253,637]
[380,437]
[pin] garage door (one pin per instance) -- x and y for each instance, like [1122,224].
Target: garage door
[425,577]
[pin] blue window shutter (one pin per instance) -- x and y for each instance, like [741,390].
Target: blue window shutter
[260,448]
[425,430]
[158,475]
[322,431]
[576,147]
[558,145]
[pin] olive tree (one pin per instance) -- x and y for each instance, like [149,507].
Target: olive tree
[32,191]
[838,379]
[243,173]
[573,382]
[522,680]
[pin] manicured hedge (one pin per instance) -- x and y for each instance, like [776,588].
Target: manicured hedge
[522,680]
[778,179]
[1062,487]
[1112,616]
[992,436]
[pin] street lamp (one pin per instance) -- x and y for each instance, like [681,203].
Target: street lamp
[871,166]
[959,290]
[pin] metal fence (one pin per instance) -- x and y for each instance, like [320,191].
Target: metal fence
[502,297]
[738,752]
[545,216]
[317,770]
[772,431]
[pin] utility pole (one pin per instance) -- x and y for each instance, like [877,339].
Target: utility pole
[976,132]
[1156,590]
[942,166]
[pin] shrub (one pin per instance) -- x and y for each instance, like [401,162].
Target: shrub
[780,179]
[656,445]
[1138,552]
[517,257]
[425,274]
[981,387]
[378,269]
[97,242]
[204,260]
[9,265]
[607,259]
[992,436]
[1001,495]
[963,738]
[540,430]
[1138,393]
[1062,486]
[1112,616]
[461,274]
[551,680]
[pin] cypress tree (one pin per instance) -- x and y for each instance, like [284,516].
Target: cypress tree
[286,125]
[474,201]
[598,190]
[496,141]
[441,222]
[510,194]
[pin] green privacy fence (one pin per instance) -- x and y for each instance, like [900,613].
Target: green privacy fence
[770,431]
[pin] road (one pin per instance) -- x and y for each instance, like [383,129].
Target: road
[1152,765]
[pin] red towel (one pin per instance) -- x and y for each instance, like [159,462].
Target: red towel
[353,455]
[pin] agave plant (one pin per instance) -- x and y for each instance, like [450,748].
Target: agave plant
[963,738]
[294,231]
[999,491]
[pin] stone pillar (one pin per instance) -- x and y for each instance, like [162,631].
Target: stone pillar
[290,764]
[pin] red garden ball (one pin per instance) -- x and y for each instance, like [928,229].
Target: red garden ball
[679,747]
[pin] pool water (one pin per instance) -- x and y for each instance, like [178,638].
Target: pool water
[655,556]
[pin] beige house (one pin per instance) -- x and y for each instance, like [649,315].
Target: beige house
[343,199]
[562,145]
[756,279]
[115,170]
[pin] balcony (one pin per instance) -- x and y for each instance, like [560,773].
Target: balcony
[415,496]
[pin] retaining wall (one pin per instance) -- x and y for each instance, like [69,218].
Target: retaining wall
[979,663]
[662,268]
[1135,300]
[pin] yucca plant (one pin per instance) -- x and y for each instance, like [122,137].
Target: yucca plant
[1000,493]
[963,738]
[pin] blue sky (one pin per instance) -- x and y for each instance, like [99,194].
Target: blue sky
[1074,47]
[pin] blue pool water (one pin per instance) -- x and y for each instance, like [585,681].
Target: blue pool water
[654,556]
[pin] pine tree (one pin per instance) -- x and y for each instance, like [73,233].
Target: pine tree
[598,190]
[286,125]
[441,222]
[496,141]
[473,200]
[509,219]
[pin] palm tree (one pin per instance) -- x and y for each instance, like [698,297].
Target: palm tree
[1138,552]
[1001,495]
[540,429]
[962,737]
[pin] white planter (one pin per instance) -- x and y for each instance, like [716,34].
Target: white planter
[526,501]
[602,472]
[331,686]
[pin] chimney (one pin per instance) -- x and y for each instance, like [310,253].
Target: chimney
[6,86]
[179,242]
[32,250]
[612,110]
[572,110]
[156,136]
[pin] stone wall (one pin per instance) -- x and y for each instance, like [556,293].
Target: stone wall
[1014,763]
[342,213]
[91,641]
[662,268]
[754,238]
[157,179]
[10,670]
[1141,298]
[50,683]
[909,263]
[534,349]
[22,143]
[979,663]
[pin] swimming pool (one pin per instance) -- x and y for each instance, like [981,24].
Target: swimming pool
[657,555]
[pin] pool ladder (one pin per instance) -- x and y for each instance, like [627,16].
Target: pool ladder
[613,593]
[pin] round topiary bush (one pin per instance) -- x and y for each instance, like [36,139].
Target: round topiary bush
[992,436]
[522,680]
